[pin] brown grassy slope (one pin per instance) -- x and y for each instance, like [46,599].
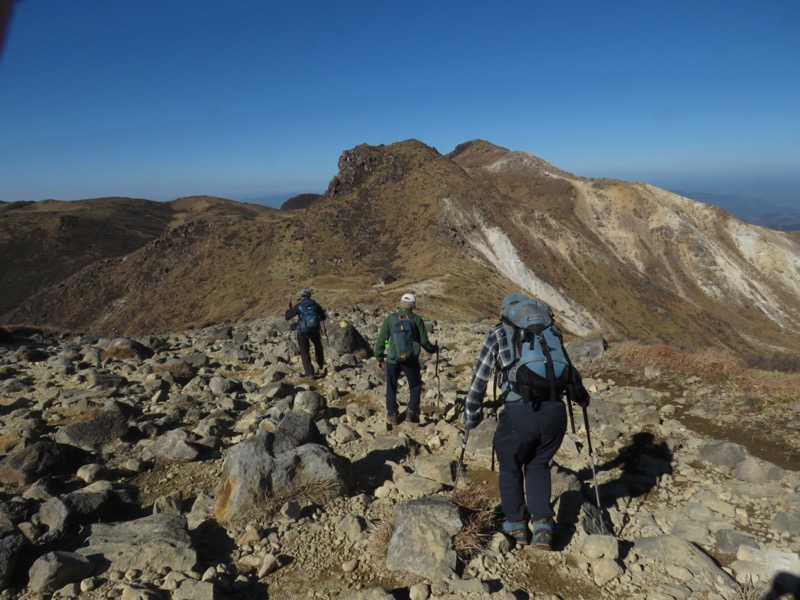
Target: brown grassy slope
[626,253]
[385,210]
[43,242]
[201,271]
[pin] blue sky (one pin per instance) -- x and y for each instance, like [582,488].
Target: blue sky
[161,99]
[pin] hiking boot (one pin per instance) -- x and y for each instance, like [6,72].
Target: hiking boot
[517,530]
[391,421]
[542,530]
[412,416]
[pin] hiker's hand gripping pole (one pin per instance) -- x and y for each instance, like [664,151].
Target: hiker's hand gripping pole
[594,472]
[461,460]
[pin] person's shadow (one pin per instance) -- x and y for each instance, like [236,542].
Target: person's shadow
[642,463]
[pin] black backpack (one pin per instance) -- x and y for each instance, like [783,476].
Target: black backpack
[308,317]
[403,339]
[540,366]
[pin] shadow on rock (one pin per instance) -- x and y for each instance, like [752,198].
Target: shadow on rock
[642,463]
[373,470]
[213,543]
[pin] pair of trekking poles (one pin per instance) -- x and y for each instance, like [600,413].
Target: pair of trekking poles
[570,399]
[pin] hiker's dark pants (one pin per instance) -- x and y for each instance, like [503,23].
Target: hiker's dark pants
[525,442]
[304,341]
[413,373]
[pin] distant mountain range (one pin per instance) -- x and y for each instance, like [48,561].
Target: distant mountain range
[751,210]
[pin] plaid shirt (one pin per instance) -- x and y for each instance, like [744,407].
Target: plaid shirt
[495,354]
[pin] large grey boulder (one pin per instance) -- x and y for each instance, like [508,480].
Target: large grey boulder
[95,430]
[422,540]
[173,445]
[672,551]
[10,547]
[245,476]
[160,541]
[345,339]
[39,460]
[723,454]
[268,463]
[54,570]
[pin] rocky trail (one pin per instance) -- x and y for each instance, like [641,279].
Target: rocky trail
[202,465]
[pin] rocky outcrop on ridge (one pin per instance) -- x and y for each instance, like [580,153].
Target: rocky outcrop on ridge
[202,465]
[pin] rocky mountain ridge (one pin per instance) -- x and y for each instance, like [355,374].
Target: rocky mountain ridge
[201,464]
[460,230]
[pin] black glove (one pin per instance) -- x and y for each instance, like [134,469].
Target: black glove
[582,396]
[578,394]
[434,348]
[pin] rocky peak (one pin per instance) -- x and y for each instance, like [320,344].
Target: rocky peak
[367,165]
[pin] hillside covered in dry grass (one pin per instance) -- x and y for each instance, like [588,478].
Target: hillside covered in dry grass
[624,260]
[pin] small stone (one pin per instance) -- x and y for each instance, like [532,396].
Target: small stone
[269,565]
[88,584]
[605,570]
[350,565]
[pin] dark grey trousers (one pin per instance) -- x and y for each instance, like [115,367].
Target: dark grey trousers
[525,442]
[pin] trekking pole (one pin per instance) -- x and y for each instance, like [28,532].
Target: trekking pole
[325,329]
[461,460]
[438,381]
[570,396]
[594,472]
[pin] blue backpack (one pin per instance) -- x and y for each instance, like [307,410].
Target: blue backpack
[308,317]
[540,366]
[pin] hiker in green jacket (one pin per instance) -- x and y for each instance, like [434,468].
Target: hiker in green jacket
[399,341]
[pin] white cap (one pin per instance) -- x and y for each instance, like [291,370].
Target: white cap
[408,298]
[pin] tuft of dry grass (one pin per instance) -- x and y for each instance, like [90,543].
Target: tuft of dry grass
[714,365]
[313,491]
[481,521]
[379,537]
[750,591]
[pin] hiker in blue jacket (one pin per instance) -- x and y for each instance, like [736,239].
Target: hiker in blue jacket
[526,440]
[310,316]
[397,348]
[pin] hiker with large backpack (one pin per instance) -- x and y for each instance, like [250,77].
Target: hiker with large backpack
[310,316]
[526,351]
[397,348]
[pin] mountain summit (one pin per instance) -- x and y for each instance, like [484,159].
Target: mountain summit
[626,260]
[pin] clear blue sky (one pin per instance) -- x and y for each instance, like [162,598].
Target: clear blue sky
[166,98]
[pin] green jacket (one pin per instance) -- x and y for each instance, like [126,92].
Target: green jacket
[386,328]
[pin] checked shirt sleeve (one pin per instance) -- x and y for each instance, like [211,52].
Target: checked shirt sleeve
[487,358]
